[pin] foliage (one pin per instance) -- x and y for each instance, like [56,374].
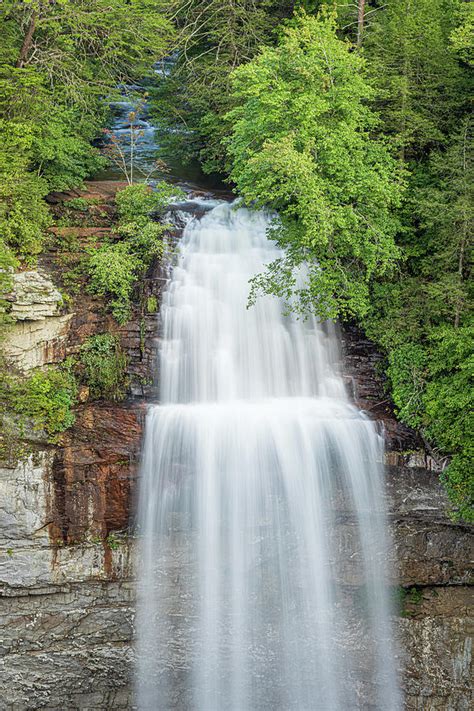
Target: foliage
[462,36]
[213,37]
[152,304]
[449,403]
[432,390]
[416,71]
[105,367]
[23,213]
[58,61]
[79,203]
[422,315]
[46,397]
[302,144]
[114,268]
[136,202]
[408,372]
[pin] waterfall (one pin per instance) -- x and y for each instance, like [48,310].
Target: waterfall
[262,581]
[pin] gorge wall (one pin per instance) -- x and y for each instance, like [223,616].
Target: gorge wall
[67,534]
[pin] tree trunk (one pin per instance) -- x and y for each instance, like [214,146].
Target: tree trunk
[27,41]
[360,21]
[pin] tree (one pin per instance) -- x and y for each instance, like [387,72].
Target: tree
[85,44]
[213,38]
[23,212]
[302,144]
[419,80]
[462,36]
[58,62]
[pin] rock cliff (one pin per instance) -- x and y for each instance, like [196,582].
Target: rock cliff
[67,535]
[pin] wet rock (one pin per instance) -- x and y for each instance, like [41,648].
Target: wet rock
[94,473]
[366,386]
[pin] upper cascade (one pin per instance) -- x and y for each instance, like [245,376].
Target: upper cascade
[214,348]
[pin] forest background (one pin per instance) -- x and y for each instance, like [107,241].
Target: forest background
[351,120]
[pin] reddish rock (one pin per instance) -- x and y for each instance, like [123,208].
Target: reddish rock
[94,472]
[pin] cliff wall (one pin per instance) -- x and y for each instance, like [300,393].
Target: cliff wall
[67,539]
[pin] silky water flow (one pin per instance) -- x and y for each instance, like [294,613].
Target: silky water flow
[262,581]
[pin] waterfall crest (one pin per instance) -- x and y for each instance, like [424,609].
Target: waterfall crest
[261,512]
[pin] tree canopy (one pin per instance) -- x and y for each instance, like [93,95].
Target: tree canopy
[59,63]
[303,144]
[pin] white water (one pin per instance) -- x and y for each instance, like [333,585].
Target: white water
[262,581]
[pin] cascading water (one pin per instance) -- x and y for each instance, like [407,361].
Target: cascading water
[262,580]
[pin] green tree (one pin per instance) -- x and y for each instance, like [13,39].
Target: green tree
[58,62]
[23,212]
[303,144]
[462,36]
[213,38]
[419,80]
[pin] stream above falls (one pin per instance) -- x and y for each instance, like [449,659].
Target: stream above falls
[187,174]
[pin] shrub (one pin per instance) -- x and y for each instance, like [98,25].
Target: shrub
[113,270]
[78,203]
[136,202]
[152,304]
[105,367]
[432,391]
[145,240]
[407,372]
[47,397]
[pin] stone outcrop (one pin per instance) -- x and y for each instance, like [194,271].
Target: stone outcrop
[66,611]
[39,332]
[437,638]
[34,297]
[94,473]
[67,539]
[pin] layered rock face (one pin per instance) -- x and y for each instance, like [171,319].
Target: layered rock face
[39,332]
[68,607]
[67,538]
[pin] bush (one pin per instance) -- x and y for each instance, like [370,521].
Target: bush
[79,203]
[144,240]
[47,397]
[66,157]
[113,270]
[136,202]
[407,373]
[152,304]
[105,366]
[449,403]
[432,391]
